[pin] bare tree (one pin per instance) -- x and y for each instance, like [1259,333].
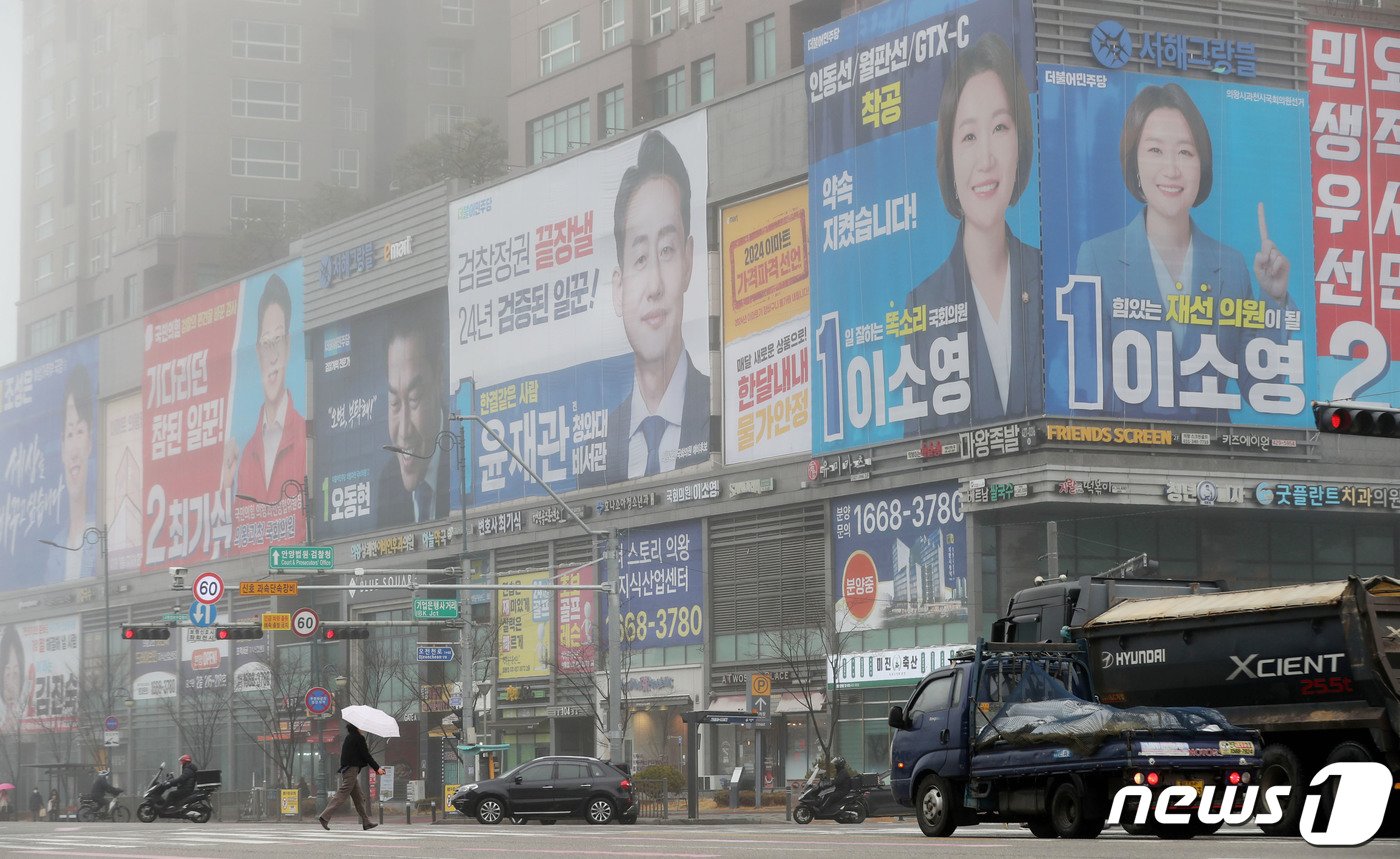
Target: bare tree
[94,706]
[473,151]
[802,650]
[275,711]
[198,716]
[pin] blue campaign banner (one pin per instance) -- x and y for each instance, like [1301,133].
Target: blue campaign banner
[925,221]
[662,579]
[48,488]
[380,379]
[900,558]
[1178,249]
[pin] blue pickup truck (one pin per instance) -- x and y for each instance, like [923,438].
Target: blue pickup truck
[1012,732]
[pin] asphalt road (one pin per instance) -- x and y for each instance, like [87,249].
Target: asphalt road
[165,840]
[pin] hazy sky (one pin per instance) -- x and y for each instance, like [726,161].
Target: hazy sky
[10,62]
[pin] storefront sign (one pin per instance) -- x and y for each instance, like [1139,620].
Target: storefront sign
[856,466]
[887,667]
[648,683]
[402,544]
[1108,435]
[557,515]
[1255,441]
[983,442]
[981,492]
[1092,486]
[399,249]
[347,263]
[932,449]
[501,523]
[661,583]
[566,712]
[1113,46]
[757,486]
[1200,439]
[704,490]
[741,678]
[1205,493]
[639,501]
[1312,495]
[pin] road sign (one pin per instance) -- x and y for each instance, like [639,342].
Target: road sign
[435,653]
[111,739]
[318,700]
[760,694]
[455,702]
[110,723]
[435,609]
[172,617]
[203,615]
[301,558]
[208,587]
[305,622]
[276,621]
[267,589]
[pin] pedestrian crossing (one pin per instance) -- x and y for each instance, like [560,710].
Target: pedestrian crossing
[180,838]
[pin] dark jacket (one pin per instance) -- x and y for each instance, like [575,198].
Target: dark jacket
[184,783]
[354,752]
[100,788]
[36,801]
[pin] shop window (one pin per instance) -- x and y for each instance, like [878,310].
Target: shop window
[1333,544]
[725,648]
[1375,545]
[904,636]
[932,634]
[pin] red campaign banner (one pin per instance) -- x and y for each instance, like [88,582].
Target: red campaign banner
[1354,108]
[576,614]
[187,377]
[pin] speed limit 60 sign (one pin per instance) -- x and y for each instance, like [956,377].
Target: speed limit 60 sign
[305,622]
[208,588]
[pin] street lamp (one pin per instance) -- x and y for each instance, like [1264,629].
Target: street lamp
[291,488]
[98,536]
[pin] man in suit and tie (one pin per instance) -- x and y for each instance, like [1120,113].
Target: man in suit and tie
[664,422]
[413,486]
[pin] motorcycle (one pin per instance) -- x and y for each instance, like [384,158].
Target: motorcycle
[192,806]
[89,810]
[812,805]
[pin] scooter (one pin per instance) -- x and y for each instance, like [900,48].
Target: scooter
[192,806]
[812,805]
[90,810]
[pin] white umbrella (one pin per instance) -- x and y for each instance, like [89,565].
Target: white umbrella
[372,720]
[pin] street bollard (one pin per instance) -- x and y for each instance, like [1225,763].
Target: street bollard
[381,814]
[408,813]
[434,804]
[788,813]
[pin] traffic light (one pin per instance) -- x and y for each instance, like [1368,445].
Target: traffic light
[224,633]
[338,633]
[1357,420]
[132,632]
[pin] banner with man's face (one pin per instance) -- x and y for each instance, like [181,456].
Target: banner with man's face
[39,665]
[579,304]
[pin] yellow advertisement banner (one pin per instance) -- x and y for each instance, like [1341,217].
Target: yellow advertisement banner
[524,643]
[765,267]
[289,800]
[447,791]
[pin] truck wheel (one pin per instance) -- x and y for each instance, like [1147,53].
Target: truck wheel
[936,807]
[1281,767]
[1071,814]
[1041,828]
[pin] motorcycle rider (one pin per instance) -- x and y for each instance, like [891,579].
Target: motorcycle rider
[840,785]
[101,788]
[181,786]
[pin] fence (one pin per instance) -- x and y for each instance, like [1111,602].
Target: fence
[653,800]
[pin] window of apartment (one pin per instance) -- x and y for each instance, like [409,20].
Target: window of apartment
[614,103]
[100,203]
[97,254]
[43,167]
[43,220]
[43,273]
[243,210]
[70,261]
[348,7]
[345,171]
[459,12]
[763,49]
[667,93]
[43,334]
[442,118]
[267,40]
[662,17]
[101,94]
[131,297]
[557,133]
[103,142]
[614,23]
[267,159]
[98,314]
[48,14]
[45,63]
[704,74]
[342,55]
[267,99]
[559,44]
[347,116]
[67,325]
[102,34]
[43,114]
[447,66]
[70,98]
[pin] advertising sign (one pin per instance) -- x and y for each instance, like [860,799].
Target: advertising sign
[926,278]
[252,664]
[48,487]
[155,666]
[902,667]
[766,306]
[576,617]
[379,380]
[121,483]
[204,661]
[223,391]
[39,665]
[1354,100]
[579,298]
[524,643]
[900,558]
[662,582]
[1177,249]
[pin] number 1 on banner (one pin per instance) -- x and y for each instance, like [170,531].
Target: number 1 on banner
[829,357]
[1071,305]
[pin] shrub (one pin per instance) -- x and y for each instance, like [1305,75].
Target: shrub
[673,777]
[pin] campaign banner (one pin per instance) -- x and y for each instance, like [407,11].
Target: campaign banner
[121,480]
[1354,99]
[523,645]
[155,668]
[766,309]
[1177,249]
[900,558]
[579,314]
[204,660]
[48,487]
[224,444]
[662,582]
[923,193]
[379,379]
[576,622]
[40,662]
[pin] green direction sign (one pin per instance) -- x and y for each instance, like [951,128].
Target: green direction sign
[430,609]
[301,558]
[172,617]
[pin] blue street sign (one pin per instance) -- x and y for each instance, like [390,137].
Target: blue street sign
[110,723]
[435,653]
[203,615]
[318,700]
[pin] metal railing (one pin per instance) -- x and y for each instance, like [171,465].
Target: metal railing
[653,800]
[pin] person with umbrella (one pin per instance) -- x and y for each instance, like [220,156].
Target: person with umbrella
[354,756]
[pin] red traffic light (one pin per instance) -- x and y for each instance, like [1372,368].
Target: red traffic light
[1357,420]
[132,632]
[343,633]
[128,632]
[330,633]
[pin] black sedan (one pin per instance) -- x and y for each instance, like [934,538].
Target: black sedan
[549,788]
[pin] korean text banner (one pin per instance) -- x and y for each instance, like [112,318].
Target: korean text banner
[900,558]
[1177,249]
[155,668]
[48,488]
[524,618]
[379,380]
[121,477]
[223,393]
[204,661]
[579,299]
[662,586]
[39,665]
[1354,100]
[764,244]
[926,277]
[576,617]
